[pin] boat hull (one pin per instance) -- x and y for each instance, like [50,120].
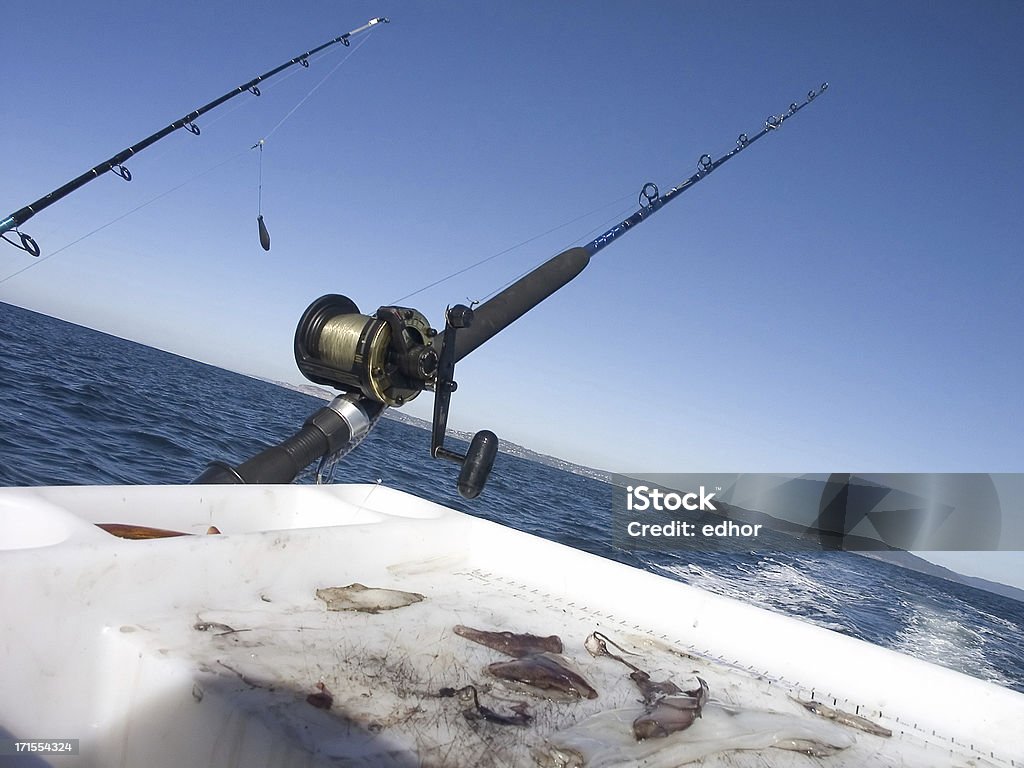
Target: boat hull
[219,648]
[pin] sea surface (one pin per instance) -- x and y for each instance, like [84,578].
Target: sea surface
[79,407]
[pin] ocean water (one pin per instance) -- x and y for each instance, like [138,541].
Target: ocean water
[81,407]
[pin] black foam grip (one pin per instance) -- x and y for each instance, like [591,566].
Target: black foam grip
[496,314]
[323,433]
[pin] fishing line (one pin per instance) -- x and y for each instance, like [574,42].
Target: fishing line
[510,249]
[651,200]
[317,86]
[269,86]
[581,238]
[152,200]
[259,182]
[264,233]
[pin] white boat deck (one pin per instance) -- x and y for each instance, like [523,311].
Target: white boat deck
[214,650]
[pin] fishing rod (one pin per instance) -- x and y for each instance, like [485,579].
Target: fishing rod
[388,359]
[115,163]
[523,295]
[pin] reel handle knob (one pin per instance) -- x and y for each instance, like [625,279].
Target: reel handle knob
[476,466]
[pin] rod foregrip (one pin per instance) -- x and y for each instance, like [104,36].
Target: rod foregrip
[280,463]
[326,432]
[283,462]
[496,314]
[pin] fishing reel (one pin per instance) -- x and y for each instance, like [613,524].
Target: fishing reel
[389,359]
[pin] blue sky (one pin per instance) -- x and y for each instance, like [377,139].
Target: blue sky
[845,295]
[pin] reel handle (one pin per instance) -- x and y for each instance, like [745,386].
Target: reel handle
[479,459]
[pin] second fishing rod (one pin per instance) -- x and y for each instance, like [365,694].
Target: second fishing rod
[115,163]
